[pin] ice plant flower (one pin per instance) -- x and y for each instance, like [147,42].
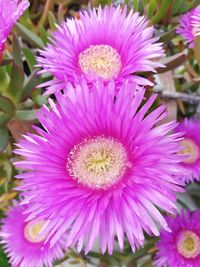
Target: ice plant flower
[191,149]
[99,167]
[10,11]
[190,26]
[24,242]
[103,44]
[196,22]
[181,246]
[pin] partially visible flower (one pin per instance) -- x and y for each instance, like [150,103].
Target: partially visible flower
[24,242]
[190,25]
[103,44]
[10,11]
[191,149]
[196,22]
[100,167]
[181,246]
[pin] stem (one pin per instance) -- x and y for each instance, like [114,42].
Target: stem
[189,98]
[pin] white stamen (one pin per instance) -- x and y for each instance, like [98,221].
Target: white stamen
[101,60]
[188,244]
[32,231]
[98,162]
[191,149]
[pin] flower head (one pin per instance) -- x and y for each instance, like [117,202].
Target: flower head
[181,246]
[191,149]
[101,165]
[190,25]
[10,11]
[104,44]
[196,22]
[24,242]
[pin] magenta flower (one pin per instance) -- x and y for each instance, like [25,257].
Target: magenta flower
[181,246]
[191,149]
[100,168]
[190,25]
[10,11]
[104,44]
[23,242]
[196,22]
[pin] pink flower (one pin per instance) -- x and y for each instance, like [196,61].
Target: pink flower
[99,167]
[10,11]
[191,149]
[24,244]
[190,26]
[181,246]
[196,22]
[104,44]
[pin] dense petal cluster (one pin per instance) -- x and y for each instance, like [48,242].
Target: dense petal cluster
[190,25]
[10,11]
[181,246]
[103,44]
[99,167]
[196,22]
[191,149]
[24,244]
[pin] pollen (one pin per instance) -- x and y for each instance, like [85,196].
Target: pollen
[100,60]
[33,231]
[98,162]
[191,149]
[188,244]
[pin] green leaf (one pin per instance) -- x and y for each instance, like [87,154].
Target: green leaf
[3,259]
[177,6]
[52,21]
[58,262]
[28,35]
[31,83]
[4,119]
[44,35]
[17,53]
[105,2]
[6,105]
[193,189]
[4,79]
[135,5]
[168,36]
[172,62]
[4,138]
[26,115]
[152,8]
[30,57]
[181,6]
[41,99]
[15,88]
[161,11]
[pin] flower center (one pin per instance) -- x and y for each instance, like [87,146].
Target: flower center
[32,231]
[101,60]
[190,149]
[188,244]
[98,162]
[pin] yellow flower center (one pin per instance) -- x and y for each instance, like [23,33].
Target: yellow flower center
[98,162]
[188,244]
[101,60]
[32,231]
[191,149]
